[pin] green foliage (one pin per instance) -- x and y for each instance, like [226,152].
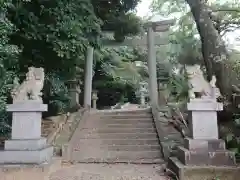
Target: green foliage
[6,85]
[55,94]
[116,76]
[126,25]
[54,34]
[117,17]
[233,138]
[120,65]
[8,58]
[178,86]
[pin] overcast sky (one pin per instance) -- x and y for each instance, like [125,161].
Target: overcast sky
[143,8]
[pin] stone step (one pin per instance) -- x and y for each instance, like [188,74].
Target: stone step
[128,116]
[139,111]
[119,125]
[119,142]
[102,156]
[124,121]
[113,160]
[120,130]
[118,136]
[114,147]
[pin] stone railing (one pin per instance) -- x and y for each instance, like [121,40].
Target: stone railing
[169,136]
[57,128]
[65,145]
[116,106]
[74,123]
[125,105]
[160,123]
[120,105]
[63,128]
[68,130]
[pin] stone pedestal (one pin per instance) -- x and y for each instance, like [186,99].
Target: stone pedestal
[203,150]
[94,99]
[142,98]
[143,93]
[74,91]
[26,145]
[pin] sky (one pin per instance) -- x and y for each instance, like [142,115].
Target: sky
[143,10]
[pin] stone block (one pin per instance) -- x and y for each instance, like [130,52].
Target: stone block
[192,157]
[222,158]
[204,145]
[26,144]
[26,157]
[195,144]
[26,119]
[27,106]
[216,158]
[26,125]
[203,172]
[204,105]
[203,118]
[203,125]
[215,145]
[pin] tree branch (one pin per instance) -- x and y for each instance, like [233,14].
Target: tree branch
[226,9]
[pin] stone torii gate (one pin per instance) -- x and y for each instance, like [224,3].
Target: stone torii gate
[150,40]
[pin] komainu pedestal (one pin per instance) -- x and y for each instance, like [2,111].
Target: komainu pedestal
[203,155]
[26,145]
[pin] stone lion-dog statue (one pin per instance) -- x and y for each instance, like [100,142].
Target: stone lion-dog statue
[31,88]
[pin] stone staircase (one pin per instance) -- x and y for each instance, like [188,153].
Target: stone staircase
[117,136]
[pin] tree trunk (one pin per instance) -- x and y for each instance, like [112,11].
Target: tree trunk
[213,48]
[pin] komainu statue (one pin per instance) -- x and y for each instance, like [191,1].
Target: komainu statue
[199,86]
[31,88]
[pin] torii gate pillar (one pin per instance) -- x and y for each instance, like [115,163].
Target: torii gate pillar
[88,78]
[152,27]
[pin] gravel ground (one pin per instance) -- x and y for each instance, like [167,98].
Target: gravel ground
[109,172]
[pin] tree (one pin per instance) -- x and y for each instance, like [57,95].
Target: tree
[213,47]
[117,16]
[8,59]
[53,34]
[116,76]
[211,24]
